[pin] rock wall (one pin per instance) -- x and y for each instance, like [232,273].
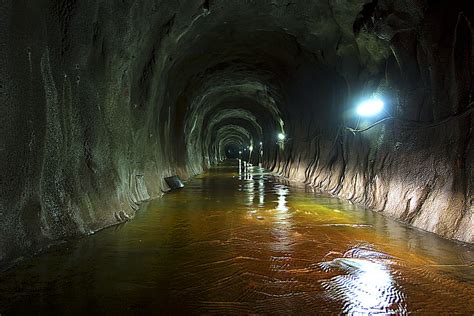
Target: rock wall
[100,100]
[416,167]
[79,143]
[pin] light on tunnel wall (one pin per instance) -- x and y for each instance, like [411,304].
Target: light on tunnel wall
[370,107]
[251,148]
[281,136]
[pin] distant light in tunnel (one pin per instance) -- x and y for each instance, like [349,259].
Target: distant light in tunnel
[370,107]
[251,148]
[261,143]
[281,136]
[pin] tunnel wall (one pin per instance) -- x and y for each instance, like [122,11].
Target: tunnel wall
[422,178]
[418,167]
[97,98]
[79,127]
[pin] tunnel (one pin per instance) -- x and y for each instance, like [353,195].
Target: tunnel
[287,117]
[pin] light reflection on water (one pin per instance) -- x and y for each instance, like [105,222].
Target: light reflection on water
[261,192]
[237,241]
[367,284]
[367,287]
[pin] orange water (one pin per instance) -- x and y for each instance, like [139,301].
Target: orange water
[231,243]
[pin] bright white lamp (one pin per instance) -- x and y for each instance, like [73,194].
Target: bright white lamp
[281,136]
[370,107]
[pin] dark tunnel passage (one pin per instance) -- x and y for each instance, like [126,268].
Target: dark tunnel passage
[367,101]
[231,150]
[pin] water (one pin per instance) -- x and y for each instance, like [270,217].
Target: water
[246,243]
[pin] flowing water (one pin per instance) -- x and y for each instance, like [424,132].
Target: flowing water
[245,243]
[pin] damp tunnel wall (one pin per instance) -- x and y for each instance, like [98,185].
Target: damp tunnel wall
[102,100]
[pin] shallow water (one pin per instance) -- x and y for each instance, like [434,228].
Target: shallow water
[245,243]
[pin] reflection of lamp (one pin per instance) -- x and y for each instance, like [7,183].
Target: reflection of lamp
[365,287]
[251,148]
[370,107]
[282,192]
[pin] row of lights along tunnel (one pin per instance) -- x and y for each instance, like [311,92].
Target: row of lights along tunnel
[368,108]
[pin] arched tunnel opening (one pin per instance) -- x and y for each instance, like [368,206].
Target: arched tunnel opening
[325,147]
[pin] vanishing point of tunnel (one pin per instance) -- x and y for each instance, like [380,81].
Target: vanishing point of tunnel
[236,157]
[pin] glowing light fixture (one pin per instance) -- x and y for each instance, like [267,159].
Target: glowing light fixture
[251,148]
[261,143]
[281,136]
[370,107]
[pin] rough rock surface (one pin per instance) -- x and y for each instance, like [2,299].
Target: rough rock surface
[101,100]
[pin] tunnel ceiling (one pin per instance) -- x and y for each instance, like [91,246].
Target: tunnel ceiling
[104,100]
[244,62]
